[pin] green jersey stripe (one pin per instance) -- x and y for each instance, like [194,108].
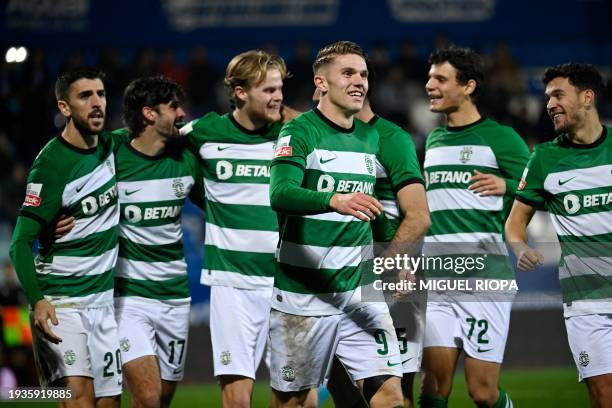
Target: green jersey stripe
[236,216]
[459,221]
[75,286]
[238,171]
[168,289]
[98,242]
[587,287]
[334,280]
[247,263]
[150,253]
[319,232]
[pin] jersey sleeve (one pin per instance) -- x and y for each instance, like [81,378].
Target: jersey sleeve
[25,233]
[530,189]
[287,174]
[397,154]
[293,145]
[196,195]
[43,198]
[194,134]
[512,155]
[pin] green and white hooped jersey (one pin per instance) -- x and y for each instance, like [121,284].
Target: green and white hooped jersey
[574,184]
[396,167]
[152,192]
[460,216]
[320,255]
[77,270]
[241,228]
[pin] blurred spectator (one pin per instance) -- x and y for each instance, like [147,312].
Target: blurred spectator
[299,88]
[380,58]
[144,64]
[12,192]
[11,293]
[414,68]
[202,78]
[169,68]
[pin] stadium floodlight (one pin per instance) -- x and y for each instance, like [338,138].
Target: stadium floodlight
[16,55]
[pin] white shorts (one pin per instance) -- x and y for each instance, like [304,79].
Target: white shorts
[89,348]
[239,323]
[409,322]
[154,329]
[590,339]
[479,328]
[302,347]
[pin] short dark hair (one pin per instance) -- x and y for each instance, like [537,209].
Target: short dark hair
[466,62]
[582,76]
[147,91]
[330,51]
[63,82]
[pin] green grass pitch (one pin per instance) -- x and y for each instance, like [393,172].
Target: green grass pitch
[529,388]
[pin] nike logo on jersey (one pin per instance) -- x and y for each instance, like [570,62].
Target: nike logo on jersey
[326,161]
[78,189]
[566,181]
[483,350]
[177,370]
[127,193]
[390,364]
[219,148]
[407,360]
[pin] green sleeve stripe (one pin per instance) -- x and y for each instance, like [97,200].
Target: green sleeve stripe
[33,216]
[407,182]
[298,165]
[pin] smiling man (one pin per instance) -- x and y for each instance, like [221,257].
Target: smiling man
[241,229]
[472,167]
[155,175]
[571,177]
[322,185]
[71,282]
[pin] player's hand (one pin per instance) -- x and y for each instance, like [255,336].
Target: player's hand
[529,258]
[64,225]
[406,275]
[43,312]
[487,184]
[359,205]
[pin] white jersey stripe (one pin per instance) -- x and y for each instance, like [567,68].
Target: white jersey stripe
[80,265]
[333,161]
[85,226]
[318,257]
[237,193]
[579,179]
[260,151]
[454,156]
[582,225]
[332,216]
[152,271]
[461,199]
[87,184]
[391,208]
[212,277]
[159,235]
[241,240]
[585,266]
[147,191]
